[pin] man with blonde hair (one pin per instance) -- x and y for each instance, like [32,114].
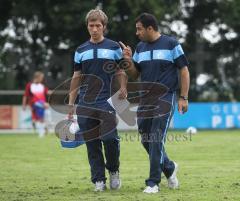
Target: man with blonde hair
[96,118]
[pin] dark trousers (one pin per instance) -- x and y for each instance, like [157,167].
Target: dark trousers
[153,136]
[96,158]
[98,125]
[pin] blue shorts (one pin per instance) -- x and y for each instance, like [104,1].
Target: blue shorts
[38,110]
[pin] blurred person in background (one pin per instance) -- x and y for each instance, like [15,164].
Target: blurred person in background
[36,97]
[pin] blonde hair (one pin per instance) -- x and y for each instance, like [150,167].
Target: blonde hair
[97,14]
[37,75]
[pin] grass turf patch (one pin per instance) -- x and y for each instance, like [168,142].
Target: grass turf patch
[39,169]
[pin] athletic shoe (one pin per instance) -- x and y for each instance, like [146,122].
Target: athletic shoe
[149,189]
[115,181]
[172,180]
[100,186]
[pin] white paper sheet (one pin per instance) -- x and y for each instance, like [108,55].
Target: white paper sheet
[118,104]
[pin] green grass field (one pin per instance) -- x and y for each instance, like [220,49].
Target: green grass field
[39,169]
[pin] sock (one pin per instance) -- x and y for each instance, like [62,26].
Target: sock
[40,129]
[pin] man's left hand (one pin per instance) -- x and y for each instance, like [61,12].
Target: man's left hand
[182,106]
[122,93]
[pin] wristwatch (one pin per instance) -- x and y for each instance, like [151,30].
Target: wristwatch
[184,97]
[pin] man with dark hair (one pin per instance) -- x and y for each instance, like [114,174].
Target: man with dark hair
[148,20]
[96,118]
[158,59]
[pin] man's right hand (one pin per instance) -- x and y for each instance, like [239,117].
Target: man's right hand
[127,51]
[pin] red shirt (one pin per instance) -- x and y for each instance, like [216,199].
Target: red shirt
[35,92]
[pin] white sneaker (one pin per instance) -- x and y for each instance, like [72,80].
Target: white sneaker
[115,181]
[100,186]
[150,189]
[172,180]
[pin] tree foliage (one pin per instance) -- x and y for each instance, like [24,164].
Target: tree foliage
[44,35]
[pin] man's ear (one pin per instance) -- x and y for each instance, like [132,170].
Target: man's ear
[150,28]
[105,31]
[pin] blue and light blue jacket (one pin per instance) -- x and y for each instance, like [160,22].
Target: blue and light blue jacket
[95,59]
[160,60]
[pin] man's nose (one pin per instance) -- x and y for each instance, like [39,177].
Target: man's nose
[94,29]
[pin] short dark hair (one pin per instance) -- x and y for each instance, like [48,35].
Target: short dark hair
[148,20]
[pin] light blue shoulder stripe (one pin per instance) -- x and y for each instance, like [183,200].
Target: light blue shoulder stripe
[118,54]
[177,51]
[144,56]
[86,55]
[106,54]
[135,57]
[77,57]
[157,55]
[163,55]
